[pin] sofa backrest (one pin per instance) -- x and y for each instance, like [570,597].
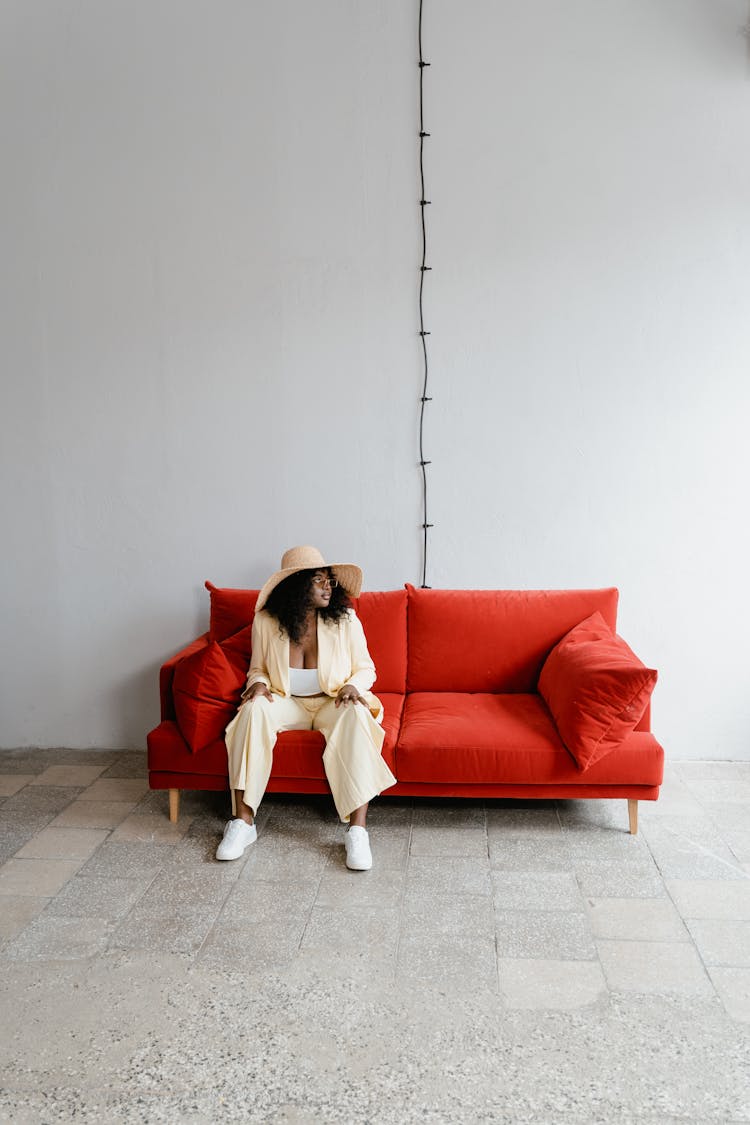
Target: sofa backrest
[492,640]
[383,617]
[231,610]
[382,613]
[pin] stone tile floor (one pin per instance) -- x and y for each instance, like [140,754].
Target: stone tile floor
[502,962]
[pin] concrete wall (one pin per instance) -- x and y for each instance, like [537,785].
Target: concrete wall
[208,277]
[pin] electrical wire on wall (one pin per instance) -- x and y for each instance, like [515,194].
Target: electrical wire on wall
[423,269]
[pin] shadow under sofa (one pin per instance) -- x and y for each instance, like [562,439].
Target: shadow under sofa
[458,673]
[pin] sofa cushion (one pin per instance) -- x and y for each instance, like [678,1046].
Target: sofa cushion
[393,708]
[491,640]
[231,610]
[382,613]
[486,738]
[596,689]
[169,753]
[383,617]
[206,688]
[298,753]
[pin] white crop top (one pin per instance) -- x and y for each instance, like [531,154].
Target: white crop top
[304,681]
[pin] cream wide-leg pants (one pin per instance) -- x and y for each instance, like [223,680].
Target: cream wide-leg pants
[354,767]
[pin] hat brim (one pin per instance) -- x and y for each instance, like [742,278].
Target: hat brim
[348,576]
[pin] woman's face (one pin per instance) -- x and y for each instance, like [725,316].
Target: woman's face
[320,589]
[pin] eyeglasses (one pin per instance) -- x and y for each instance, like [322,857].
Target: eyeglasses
[325,580]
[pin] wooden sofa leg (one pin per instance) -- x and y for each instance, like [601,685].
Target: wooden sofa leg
[174,805]
[633,816]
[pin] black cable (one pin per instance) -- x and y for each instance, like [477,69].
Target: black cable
[423,335]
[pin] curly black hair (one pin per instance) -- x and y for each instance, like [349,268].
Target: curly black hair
[290,602]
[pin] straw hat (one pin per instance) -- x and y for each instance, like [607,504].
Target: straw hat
[310,558]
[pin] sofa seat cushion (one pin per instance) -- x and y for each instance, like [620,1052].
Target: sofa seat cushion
[298,753]
[393,709]
[169,753]
[481,738]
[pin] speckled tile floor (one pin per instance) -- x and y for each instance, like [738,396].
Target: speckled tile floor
[507,962]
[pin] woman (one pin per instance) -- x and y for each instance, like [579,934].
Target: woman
[310,669]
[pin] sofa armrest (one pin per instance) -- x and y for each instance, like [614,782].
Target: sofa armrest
[166,675]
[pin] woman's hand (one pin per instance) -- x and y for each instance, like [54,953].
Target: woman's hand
[258,688]
[349,694]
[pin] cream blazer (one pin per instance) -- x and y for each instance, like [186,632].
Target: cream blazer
[342,657]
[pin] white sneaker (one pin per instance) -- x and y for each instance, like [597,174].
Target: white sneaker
[237,836]
[358,854]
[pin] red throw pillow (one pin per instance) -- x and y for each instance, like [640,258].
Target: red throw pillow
[231,610]
[206,689]
[596,688]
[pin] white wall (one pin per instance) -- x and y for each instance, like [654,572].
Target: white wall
[209,279]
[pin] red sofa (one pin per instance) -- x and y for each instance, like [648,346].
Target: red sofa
[459,675]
